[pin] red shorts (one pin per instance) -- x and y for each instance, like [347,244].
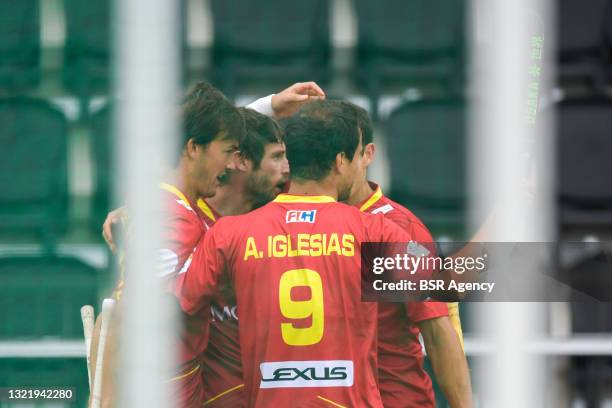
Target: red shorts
[188,388]
[231,398]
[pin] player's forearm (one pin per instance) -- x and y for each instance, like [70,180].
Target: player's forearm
[448,361]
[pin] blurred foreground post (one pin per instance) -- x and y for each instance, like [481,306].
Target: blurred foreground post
[148,46]
[509,74]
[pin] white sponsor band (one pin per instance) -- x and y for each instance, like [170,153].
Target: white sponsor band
[297,374]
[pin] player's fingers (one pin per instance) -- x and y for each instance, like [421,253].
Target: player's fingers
[316,90]
[299,97]
[310,88]
[315,98]
[107,232]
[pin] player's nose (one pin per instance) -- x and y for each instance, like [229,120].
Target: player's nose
[285,168]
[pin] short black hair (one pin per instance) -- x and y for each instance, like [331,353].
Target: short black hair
[332,107]
[260,131]
[314,142]
[208,114]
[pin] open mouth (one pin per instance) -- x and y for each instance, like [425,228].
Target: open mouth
[224,178]
[282,187]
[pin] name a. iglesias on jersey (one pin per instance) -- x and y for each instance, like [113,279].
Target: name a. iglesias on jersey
[287,246]
[293,374]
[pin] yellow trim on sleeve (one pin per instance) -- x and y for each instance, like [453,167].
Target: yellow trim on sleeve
[335,404]
[222,394]
[206,209]
[288,198]
[373,199]
[453,314]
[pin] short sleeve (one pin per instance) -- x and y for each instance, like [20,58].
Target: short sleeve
[419,311]
[181,231]
[198,282]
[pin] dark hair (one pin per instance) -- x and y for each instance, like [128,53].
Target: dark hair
[332,107]
[208,115]
[313,143]
[260,131]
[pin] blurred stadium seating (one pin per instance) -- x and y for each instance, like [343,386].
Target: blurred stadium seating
[405,45]
[426,144]
[41,296]
[103,159]
[39,301]
[87,51]
[19,45]
[269,40]
[34,175]
[46,372]
[585,42]
[256,48]
[591,375]
[585,148]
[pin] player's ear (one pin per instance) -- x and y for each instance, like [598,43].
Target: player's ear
[191,149]
[242,163]
[369,151]
[341,161]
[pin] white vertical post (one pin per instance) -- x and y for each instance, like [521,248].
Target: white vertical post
[148,45]
[503,74]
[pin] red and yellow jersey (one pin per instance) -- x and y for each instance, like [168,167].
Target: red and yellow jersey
[305,336]
[183,226]
[207,213]
[403,380]
[221,362]
[221,367]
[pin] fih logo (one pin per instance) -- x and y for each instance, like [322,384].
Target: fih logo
[290,374]
[301,216]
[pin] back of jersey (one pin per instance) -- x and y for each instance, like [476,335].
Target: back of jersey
[306,338]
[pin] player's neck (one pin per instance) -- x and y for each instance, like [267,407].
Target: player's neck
[230,200]
[362,191]
[178,179]
[313,188]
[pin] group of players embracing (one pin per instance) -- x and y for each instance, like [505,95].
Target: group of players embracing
[261,231]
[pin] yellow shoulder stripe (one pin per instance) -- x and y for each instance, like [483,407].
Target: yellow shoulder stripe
[287,198]
[373,199]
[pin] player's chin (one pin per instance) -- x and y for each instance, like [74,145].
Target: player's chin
[211,189]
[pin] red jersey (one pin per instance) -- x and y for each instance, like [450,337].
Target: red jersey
[183,226]
[221,367]
[403,380]
[306,338]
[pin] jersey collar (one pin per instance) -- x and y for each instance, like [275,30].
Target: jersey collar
[376,195]
[206,209]
[174,190]
[291,198]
